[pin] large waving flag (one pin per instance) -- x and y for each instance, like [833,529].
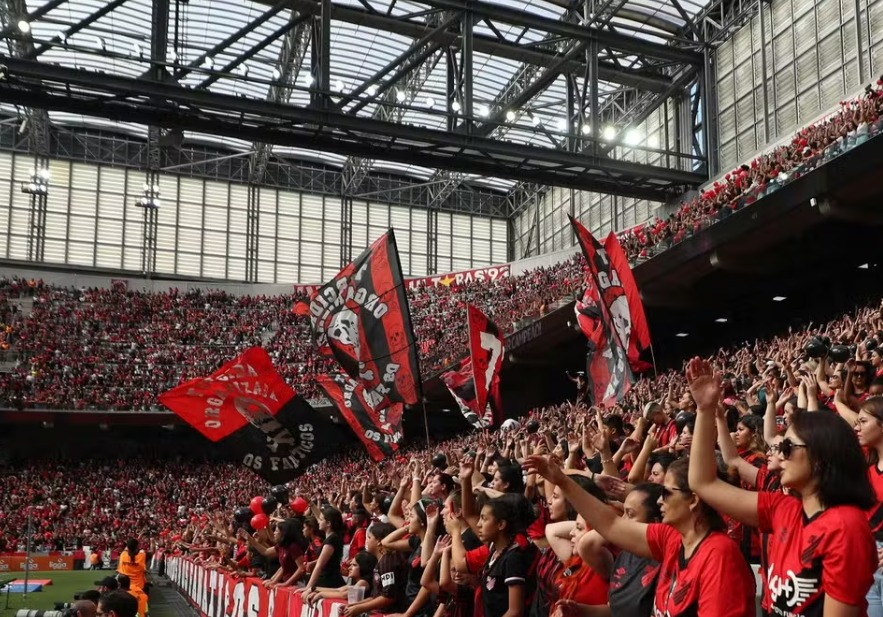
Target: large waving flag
[379,431]
[624,301]
[475,384]
[607,361]
[247,408]
[362,316]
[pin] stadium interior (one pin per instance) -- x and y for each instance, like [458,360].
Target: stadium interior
[182,180]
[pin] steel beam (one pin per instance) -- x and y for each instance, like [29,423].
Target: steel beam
[200,110]
[492,46]
[289,63]
[9,28]
[614,40]
[251,52]
[236,36]
[83,23]
[159,39]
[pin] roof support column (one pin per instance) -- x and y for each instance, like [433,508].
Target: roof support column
[466,64]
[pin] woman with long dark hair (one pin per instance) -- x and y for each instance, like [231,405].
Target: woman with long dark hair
[289,549]
[820,549]
[326,570]
[701,569]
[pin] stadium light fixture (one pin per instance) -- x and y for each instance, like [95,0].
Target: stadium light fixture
[38,183]
[722,320]
[338,85]
[430,102]
[24,26]
[633,137]
[456,106]
[609,133]
[276,74]
[310,80]
[510,116]
[372,90]
[209,62]
[779,298]
[401,96]
[682,335]
[561,124]
[484,111]
[150,196]
[535,120]
[586,129]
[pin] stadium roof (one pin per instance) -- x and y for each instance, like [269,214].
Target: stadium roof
[262,50]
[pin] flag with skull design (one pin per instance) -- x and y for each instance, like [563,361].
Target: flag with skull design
[362,316]
[625,305]
[605,329]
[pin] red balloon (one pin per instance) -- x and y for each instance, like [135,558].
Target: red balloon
[259,521]
[299,505]
[256,505]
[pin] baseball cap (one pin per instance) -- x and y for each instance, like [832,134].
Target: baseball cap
[109,582]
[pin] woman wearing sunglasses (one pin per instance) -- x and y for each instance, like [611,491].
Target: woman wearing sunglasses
[869,428]
[701,570]
[820,550]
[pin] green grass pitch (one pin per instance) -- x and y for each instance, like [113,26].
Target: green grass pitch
[64,585]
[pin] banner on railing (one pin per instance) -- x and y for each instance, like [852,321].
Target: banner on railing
[464,277]
[45,563]
[216,594]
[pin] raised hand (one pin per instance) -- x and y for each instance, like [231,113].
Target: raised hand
[704,385]
[547,466]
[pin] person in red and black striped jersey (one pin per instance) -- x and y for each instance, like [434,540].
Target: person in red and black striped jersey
[869,428]
[822,555]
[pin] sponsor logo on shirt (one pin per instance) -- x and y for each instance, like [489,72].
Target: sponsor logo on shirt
[790,591]
[388,579]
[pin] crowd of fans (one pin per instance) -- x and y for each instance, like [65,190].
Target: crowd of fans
[851,125]
[118,349]
[114,348]
[766,453]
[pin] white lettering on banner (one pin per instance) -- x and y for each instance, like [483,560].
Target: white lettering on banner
[492,344]
[212,593]
[525,335]
[342,294]
[254,602]
[271,603]
[464,277]
[237,601]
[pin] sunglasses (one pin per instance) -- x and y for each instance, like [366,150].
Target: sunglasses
[668,492]
[786,447]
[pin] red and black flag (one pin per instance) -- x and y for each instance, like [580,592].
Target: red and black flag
[247,408]
[608,366]
[624,301]
[461,384]
[380,431]
[475,385]
[362,316]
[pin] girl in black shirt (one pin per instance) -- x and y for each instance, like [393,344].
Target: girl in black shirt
[326,570]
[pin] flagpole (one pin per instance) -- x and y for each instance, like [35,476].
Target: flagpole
[409,325]
[653,357]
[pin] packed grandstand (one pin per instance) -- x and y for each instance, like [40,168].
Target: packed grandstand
[764,453]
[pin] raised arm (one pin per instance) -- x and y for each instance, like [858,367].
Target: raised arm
[625,533]
[747,471]
[736,502]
